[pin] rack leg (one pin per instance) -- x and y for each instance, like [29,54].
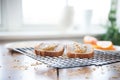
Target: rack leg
[57,69]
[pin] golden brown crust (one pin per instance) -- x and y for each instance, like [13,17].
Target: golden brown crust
[54,52]
[71,53]
[73,50]
[74,55]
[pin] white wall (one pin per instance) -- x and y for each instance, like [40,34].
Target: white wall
[0,11]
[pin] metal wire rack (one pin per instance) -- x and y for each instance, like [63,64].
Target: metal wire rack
[100,58]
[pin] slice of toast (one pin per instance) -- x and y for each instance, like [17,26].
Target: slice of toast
[49,49]
[77,50]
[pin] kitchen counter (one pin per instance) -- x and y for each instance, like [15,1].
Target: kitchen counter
[16,66]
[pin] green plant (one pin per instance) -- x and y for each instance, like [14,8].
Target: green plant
[112,33]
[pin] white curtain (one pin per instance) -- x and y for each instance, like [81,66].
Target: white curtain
[0,13]
[11,14]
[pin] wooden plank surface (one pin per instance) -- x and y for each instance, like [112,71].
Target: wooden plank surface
[16,66]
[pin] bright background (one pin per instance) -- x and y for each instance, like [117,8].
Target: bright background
[53,18]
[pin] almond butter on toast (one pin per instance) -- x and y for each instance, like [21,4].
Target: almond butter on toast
[77,50]
[49,49]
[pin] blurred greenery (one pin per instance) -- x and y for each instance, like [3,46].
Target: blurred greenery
[112,33]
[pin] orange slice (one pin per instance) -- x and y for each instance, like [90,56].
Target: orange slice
[90,40]
[104,45]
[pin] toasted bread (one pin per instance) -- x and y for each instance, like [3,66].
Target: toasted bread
[49,49]
[76,50]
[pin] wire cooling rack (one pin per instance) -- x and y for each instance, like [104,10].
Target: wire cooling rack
[100,58]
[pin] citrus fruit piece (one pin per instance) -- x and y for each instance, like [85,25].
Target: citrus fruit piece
[90,40]
[105,45]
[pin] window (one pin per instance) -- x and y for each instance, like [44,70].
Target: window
[90,13]
[38,15]
[52,12]
[42,11]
